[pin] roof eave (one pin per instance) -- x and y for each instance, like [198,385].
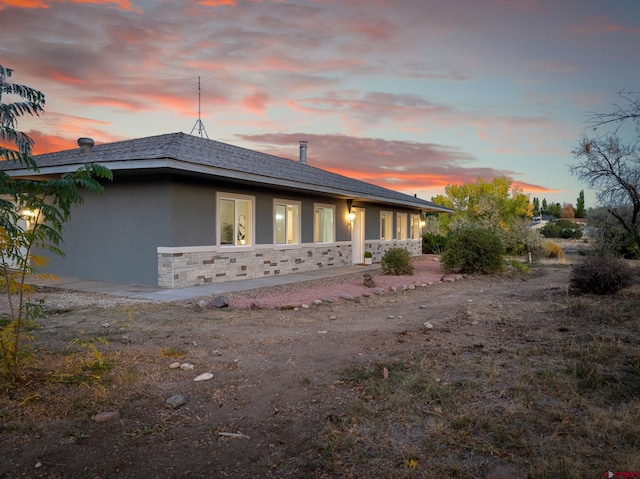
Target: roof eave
[173,164]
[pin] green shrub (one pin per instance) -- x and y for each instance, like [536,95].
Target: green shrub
[473,250]
[397,261]
[433,243]
[518,266]
[551,230]
[601,274]
[519,239]
[562,229]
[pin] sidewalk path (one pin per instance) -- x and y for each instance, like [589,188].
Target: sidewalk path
[155,293]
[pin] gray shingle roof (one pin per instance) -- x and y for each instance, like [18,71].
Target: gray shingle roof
[180,151]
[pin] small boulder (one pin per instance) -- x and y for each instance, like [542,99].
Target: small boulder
[368,280]
[220,302]
[202,304]
[347,296]
[203,377]
[176,401]
[106,416]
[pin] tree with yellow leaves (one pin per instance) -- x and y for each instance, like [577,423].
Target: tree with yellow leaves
[496,206]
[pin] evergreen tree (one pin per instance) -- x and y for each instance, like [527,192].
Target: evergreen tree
[580,210]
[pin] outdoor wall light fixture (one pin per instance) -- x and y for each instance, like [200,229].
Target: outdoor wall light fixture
[351,217]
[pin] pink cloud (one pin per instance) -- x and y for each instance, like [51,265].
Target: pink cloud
[121,4]
[255,103]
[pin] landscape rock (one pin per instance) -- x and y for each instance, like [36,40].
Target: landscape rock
[428,325]
[348,297]
[186,366]
[317,302]
[220,302]
[203,377]
[424,306]
[304,306]
[176,401]
[333,316]
[289,306]
[450,278]
[368,280]
[379,291]
[216,352]
[174,365]
[106,416]
[203,303]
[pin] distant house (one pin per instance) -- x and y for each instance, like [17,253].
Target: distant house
[184,210]
[539,221]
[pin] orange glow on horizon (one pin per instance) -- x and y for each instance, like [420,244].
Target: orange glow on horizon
[121,4]
[23,4]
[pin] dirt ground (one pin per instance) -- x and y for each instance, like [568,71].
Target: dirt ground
[276,376]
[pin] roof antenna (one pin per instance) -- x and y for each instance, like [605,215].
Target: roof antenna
[202,133]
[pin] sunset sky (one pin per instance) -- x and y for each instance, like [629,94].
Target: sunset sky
[408,94]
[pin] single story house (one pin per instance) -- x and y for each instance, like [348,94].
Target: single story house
[183,210]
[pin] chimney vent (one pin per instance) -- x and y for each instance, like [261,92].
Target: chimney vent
[303,152]
[86,145]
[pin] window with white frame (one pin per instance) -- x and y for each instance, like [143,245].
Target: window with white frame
[386,226]
[324,224]
[287,222]
[402,226]
[235,220]
[416,229]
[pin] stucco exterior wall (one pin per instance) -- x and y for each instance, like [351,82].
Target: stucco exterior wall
[114,236]
[160,229]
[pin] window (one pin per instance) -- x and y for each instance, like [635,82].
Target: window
[324,224]
[402,226]
[386,225]
[235,220]
[416,230]
[287,222]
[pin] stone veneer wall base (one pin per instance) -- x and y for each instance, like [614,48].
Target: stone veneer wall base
[199,267]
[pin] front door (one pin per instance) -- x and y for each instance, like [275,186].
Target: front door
[357,236]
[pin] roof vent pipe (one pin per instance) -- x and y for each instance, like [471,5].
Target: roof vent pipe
[303,152]
[86,145]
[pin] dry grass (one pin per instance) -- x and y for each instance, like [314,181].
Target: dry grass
[562,408]
[557,394]
[553,250]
